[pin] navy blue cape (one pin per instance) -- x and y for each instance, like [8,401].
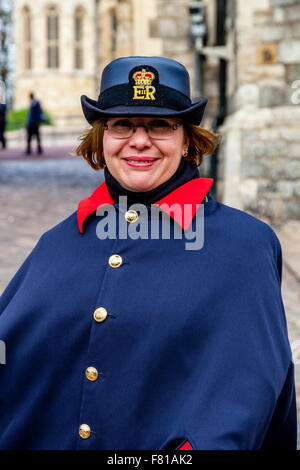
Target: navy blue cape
[193,352]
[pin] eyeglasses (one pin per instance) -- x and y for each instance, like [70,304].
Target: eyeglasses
[156,129]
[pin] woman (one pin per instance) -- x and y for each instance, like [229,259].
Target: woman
[152,318]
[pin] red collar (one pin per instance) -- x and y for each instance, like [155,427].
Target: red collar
[193,192]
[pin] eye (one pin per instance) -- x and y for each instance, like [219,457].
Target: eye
[159,123]
[123,123]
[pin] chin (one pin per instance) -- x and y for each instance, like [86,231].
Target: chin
[140,189]
[143,186]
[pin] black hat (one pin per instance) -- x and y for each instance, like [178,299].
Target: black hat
[144,86]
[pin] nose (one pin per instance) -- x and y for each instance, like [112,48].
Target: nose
[140,138]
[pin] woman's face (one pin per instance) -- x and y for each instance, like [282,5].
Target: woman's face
[141,162]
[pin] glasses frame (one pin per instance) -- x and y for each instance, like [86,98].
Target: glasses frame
[174,127]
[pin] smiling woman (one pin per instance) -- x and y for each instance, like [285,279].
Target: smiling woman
[156,146]
[134,340]
[201,142]
[143,153]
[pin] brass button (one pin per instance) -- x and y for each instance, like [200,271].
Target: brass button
[115,261]
[131,216]
[91,374]
[84,431]
[100,314]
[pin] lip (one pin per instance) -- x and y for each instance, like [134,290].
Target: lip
[144,162]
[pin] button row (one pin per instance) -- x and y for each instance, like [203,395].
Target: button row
[100,315]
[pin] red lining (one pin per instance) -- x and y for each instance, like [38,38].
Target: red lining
[185,446]
[191,193]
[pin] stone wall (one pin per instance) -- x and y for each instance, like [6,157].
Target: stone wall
[259,158]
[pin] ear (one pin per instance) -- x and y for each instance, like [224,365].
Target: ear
[186,146]
[186,140]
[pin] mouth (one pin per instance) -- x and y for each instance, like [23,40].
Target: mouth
[140,162]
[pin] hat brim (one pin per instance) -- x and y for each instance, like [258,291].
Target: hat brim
[192,114]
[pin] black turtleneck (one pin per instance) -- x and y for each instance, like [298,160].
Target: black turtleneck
[185,172]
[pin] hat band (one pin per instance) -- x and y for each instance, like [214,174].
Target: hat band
[164,97]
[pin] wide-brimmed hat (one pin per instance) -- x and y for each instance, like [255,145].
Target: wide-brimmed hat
[144,86]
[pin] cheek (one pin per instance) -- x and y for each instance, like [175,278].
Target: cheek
[173,149]
[110,147]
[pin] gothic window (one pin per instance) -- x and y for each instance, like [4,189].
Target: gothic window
[78,38]
[27,39]
[52,27]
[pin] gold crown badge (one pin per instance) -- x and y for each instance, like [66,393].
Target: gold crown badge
[141,77]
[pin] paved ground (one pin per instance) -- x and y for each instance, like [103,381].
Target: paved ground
[37,192]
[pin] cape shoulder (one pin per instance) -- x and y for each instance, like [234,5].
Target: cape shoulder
[245,228]
[233,227]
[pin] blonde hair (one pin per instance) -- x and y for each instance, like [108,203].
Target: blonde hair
[201,143]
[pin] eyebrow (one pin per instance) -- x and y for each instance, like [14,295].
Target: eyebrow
[150,120]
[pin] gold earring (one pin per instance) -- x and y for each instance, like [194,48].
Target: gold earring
[185,153]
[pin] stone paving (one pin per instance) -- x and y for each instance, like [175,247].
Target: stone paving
[36,193]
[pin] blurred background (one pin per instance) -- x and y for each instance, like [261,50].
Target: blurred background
[243,55]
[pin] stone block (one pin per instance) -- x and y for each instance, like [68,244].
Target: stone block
[244,38]
[253,73]
[253,149]
[269,134]
[277,171]
[289,169]
[274,148]
[246,56]
[290,134]
[270,209]
[270,148]
[297,190]
[254,168]
[271,96]
[275,190]
[293,150]
[247,95]
[293,12]
[296,30]
[153,28]
[250,135]
[292,209]
[248,189]
[262,16]
[183,27]
[167,27]
[171,7]
[272,33]
[292,72]
[181,46]
[274,209]
[289,51]
[266,190]
[278,15]
[285,189]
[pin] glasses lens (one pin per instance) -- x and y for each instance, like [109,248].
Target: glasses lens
[120,129]
[156,128]
[159,129]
